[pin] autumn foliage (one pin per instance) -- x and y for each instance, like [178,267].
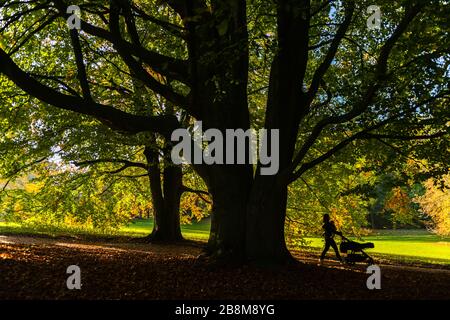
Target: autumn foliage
[436,204]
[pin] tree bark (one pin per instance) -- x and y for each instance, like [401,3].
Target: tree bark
[166,199]
[230,188]
[218,63]
[266,213]
[286,105]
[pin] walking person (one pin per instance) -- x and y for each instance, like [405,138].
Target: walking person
[329,232]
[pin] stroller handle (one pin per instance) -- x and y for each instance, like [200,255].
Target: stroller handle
[343,237]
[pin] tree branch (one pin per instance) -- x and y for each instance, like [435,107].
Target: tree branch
[126,163]
[11,175]
[136,66]
[112,117]
[370,93]
[171,28]
[200,193]
[322,69]
[405,137]
[329,95]
[171,67]
[363,134]
[81,69]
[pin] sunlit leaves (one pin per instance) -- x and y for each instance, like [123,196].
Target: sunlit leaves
[436,204]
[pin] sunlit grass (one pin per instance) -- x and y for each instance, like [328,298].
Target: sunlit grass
[407,245]
[194,231]
[138,228]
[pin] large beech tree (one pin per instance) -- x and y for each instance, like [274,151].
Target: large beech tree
[333,84]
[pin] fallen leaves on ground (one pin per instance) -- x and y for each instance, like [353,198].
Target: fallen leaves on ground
[37,270]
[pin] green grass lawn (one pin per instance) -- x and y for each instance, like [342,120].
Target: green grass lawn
[194,231]
[399,245]
[405,245]
[138,228]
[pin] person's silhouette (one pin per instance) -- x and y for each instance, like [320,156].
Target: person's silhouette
[329,232]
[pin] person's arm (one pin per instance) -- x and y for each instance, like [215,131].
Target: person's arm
[335,231]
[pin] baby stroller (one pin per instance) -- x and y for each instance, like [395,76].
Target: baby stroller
[354,251]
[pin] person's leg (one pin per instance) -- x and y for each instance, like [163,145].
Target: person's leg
[324,252]
[336,250]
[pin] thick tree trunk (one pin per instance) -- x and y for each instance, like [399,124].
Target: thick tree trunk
[166,225]
[166,196]
[166,199]
[266,212]
[248,214]
[229,187]
[219,93]
[286,105]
